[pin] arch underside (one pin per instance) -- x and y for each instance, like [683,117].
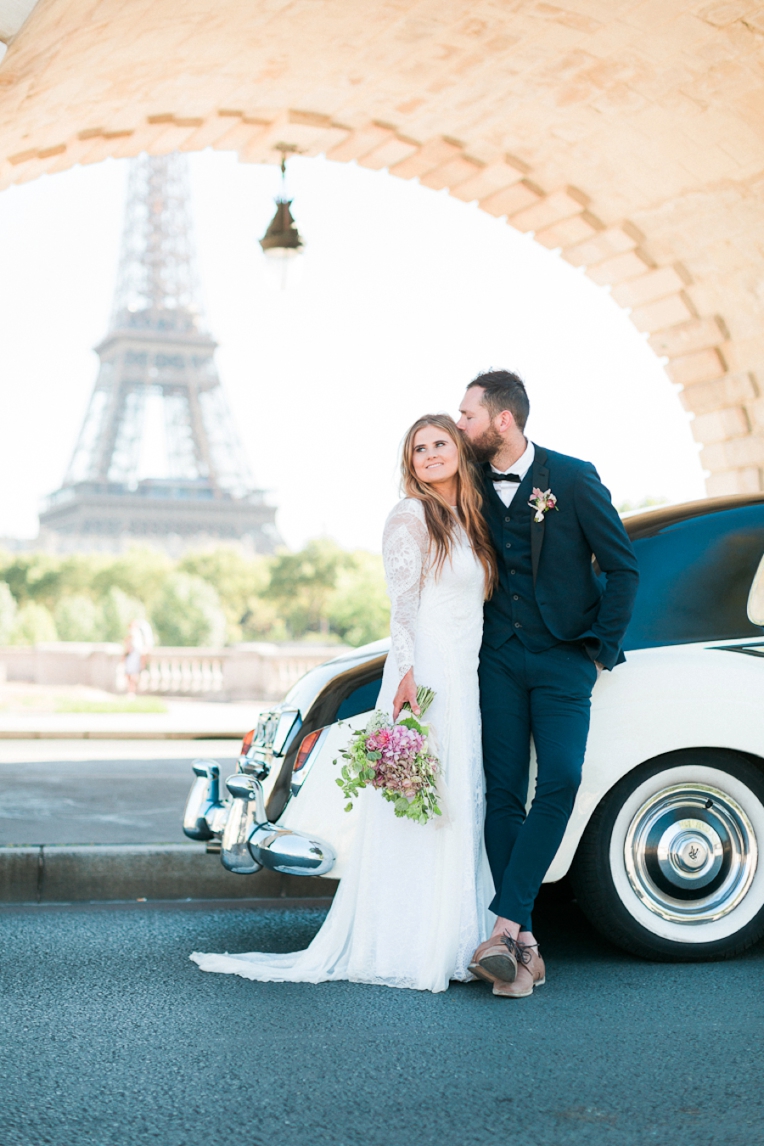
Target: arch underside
[630,136]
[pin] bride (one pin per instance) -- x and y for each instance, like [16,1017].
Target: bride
[414,903]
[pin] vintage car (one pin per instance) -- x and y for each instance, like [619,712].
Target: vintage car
[662,850]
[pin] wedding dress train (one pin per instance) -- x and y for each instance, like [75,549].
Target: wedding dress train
[413,905]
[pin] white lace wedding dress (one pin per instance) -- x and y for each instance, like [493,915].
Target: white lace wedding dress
[412,907]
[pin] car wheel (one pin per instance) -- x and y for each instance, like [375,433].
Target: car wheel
[669,866]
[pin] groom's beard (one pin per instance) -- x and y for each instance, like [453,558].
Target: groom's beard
[487,446]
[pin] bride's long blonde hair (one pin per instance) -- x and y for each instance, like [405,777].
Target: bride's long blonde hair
[437,512]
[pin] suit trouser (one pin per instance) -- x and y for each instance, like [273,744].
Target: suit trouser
[546,695]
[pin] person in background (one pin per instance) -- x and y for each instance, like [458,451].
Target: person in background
[138,643]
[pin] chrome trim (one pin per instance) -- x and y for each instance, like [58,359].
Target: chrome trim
[691,853]
[265,729]
[747,648]
[203,800]
[247,808]
[251,843]
[291,853]
[285,729]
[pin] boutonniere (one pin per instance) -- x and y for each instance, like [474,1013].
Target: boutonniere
[542,501]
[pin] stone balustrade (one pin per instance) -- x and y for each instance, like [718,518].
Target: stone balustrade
[257,671]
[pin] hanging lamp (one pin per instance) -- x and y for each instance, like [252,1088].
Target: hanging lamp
[282,240]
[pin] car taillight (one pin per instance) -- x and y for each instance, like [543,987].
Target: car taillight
[308,744]
[246,743]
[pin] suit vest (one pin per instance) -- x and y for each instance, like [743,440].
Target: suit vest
[512,610]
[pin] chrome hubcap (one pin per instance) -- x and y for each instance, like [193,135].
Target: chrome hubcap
[691,853]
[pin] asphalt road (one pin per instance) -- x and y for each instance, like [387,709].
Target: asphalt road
[97,801]
[110,1036]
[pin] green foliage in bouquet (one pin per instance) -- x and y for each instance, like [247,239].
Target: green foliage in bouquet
[395,759]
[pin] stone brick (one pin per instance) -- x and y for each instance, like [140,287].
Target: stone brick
[558,205]
[360,142]
[305,132]
[720,425]
[392,151]
[451,173]
[703,366]
[697,334]
[492,178]
[756,413]
[241,136]
[511,199]
[731,390]
[619,268]
[728,482]
[654,111]
[650,287]
[213,128]
[432,154]
[722,14]
[740,453]
[568,231]
[612,241]
[171,139]
[666,312]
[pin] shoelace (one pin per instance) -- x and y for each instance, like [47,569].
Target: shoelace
[521,951]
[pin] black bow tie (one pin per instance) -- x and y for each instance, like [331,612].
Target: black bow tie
[506,477]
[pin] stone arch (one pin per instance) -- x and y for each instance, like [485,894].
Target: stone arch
[672,300]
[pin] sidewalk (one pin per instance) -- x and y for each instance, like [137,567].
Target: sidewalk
[33,712]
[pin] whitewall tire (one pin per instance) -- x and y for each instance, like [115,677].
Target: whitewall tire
[671,865]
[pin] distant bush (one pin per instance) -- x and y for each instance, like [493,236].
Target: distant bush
[33,625]
[8,610]
[118,609]
[78,618]
[359,609]
[320,593]
[187,612]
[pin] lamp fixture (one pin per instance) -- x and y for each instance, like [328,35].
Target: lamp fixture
[282,240]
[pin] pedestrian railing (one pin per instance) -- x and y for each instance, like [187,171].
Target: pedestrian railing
[240,672]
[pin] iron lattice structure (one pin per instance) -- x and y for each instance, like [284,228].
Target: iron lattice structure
[158,457]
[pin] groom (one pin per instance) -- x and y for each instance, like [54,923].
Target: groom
[550,627]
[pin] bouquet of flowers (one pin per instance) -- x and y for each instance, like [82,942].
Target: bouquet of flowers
[394,757]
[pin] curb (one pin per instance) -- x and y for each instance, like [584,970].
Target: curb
[88,734]
[108,872]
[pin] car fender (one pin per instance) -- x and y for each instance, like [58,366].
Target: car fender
[664,700]
[319,806]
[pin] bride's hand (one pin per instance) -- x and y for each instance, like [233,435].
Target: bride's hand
[406,692]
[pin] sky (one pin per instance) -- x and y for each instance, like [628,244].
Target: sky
[405,294]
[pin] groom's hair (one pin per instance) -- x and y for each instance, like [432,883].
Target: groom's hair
[504,391]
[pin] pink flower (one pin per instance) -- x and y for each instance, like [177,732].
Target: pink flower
[542,501]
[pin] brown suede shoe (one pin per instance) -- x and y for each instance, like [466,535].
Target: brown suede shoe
[496,960]
[522,987]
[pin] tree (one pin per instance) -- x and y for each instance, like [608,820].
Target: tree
[78,618]
[187,612]
[33,625]
[301,585]
[118,610]
[8,609]
[359,609]
[240,582]
[140,573]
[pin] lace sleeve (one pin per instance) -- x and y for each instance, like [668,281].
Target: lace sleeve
[405,544]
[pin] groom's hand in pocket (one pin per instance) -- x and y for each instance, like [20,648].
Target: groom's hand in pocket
[406,693]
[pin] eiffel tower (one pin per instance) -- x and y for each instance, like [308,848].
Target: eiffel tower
[158,459]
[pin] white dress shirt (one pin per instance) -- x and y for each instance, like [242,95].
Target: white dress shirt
[507,489]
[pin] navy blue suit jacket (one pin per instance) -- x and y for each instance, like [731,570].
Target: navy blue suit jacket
[574,603]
